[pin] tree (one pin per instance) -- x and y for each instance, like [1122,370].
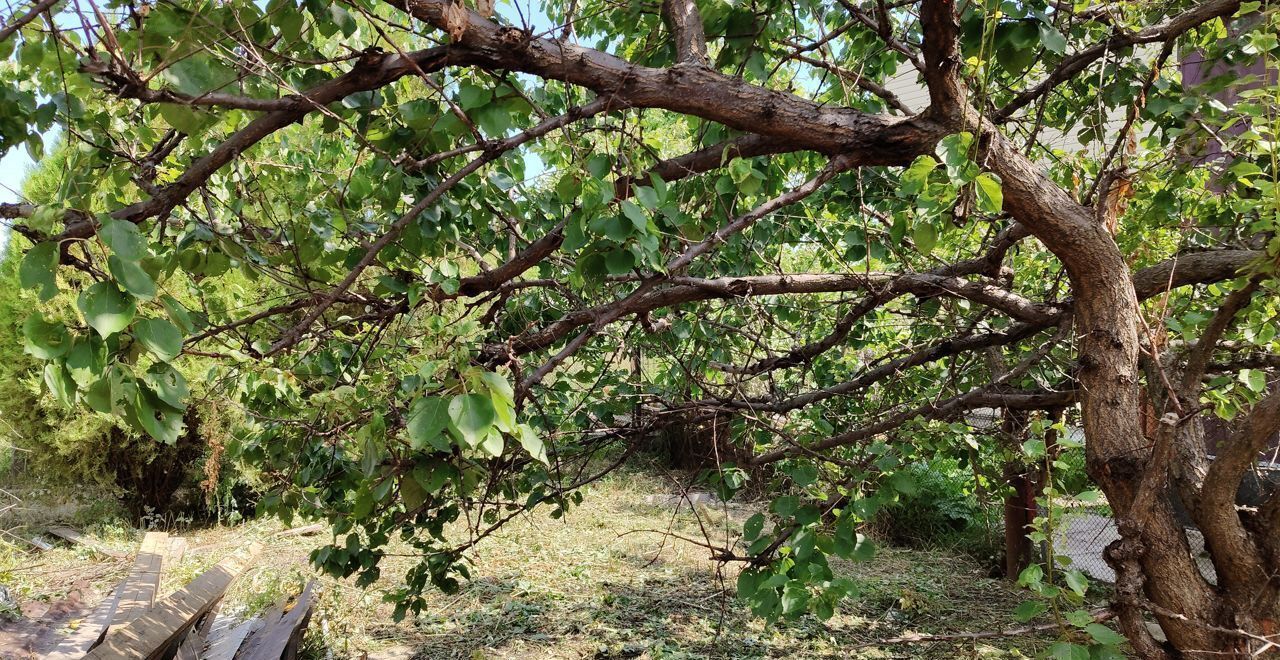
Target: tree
[729,191]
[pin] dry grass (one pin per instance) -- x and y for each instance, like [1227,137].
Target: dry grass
[586,586]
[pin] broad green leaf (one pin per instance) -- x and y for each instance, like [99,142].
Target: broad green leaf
[1068,651]
[1076,581]
[168,384]
[751,529]
[925,237]
[1104,635]
[532,443]
[184,119]
[131,276]
[433,475]
[1028,610]
[160,337]
[159,420]
[990,196]
[619,262]
[60,383]
[38,270]
[472,415]
[123,238]
[493,444]
[915,177]
[1052,39]
[1254,379]
[411,492]
[106,308]
[904,483]
[87,360]
[428,418]
[45,340]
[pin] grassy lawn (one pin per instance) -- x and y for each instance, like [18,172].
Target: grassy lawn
[595,584]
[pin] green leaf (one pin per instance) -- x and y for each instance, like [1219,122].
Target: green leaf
[428,418]
[904,483]
[866,550]
[411,492]
[499,388]
[637,217]
[87,360]
[182,118]
[925,237]
[123,238]
[168,384]
[432,476]
[39,268]
[990,196]
[1077,581]
[60,383]
[795,597]
[751,529]
[157,419]
[1030,575]
[493,444]
[131,276]
[45,340]
[954,152]
[472,415]
[532,443]
[1104,635]
[619,262]
[160,337]
[915,178]
[106,308]
[472,96]
[1254,379]
[1028,610]
[786,505]
[98,396]
[1053,40]
[1068,651]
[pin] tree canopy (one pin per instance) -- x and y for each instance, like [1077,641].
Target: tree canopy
[457,260]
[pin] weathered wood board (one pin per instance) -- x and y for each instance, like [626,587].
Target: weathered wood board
[282,633]
[159,631]
[226,637]
[138,591]
[90,631]
[72,536]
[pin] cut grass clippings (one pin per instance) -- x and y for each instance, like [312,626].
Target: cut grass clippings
[588,585]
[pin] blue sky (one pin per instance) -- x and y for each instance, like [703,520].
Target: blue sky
[13,169]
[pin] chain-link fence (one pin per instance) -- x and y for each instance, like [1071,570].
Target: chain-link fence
[1083,533]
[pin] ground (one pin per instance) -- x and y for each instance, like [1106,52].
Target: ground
[598,583]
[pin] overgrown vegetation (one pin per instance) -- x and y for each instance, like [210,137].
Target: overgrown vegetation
[421,269]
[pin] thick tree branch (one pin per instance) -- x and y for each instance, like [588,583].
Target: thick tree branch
[684,21]
[15,23]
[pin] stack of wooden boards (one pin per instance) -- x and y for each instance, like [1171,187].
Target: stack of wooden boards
[186,625]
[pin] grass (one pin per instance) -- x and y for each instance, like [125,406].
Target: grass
[591,585]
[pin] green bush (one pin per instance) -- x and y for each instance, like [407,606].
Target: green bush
[944,511]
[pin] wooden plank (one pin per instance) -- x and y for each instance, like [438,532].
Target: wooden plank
[177,549]
[195,642]
[72,536]
[90,631]
[282,635]
[301,531]
[158,632]
[139,592]
[226,637]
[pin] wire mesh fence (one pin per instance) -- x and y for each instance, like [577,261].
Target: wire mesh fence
[1083,533]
